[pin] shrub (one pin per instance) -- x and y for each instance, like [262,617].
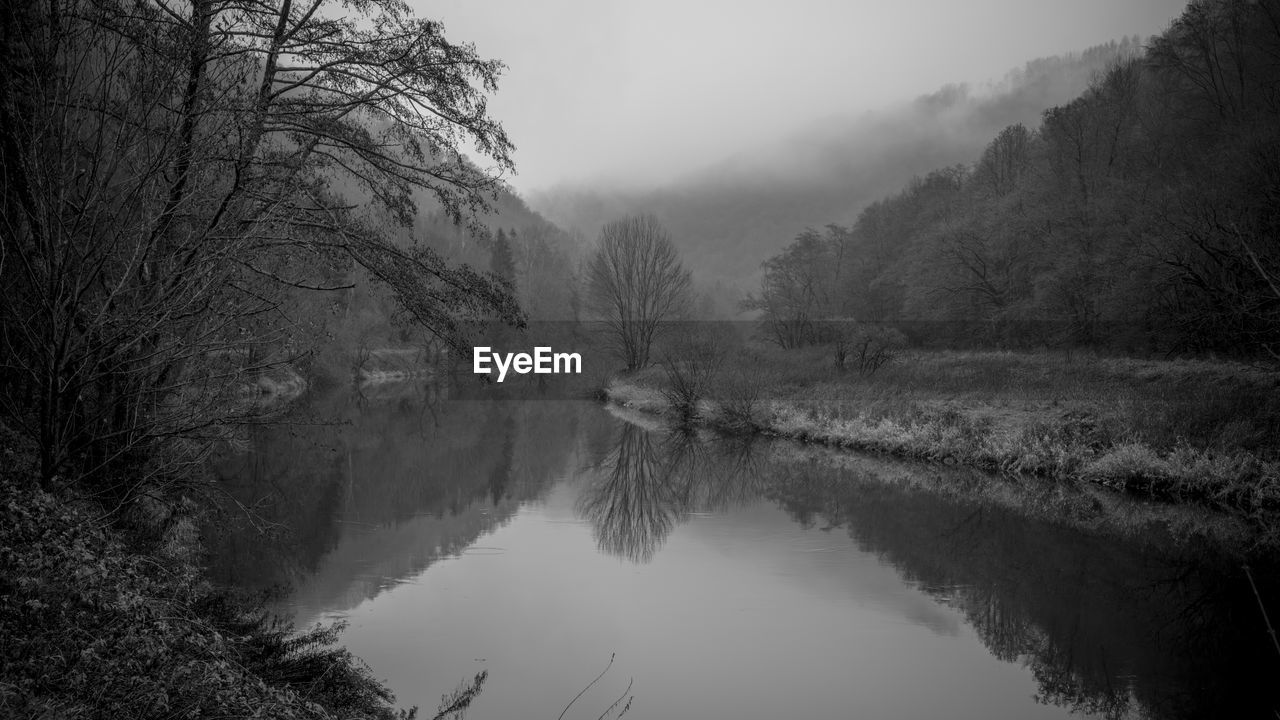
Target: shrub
[740,391]
[868,347]
[691,364]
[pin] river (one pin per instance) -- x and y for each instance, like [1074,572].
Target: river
[551,542]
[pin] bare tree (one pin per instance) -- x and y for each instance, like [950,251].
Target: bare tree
[634,282]
[1005,160]
[691,361]
[173,172]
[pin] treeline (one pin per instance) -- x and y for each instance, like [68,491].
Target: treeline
[1141,216]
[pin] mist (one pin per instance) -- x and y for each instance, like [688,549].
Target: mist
[635,96]
[729,216]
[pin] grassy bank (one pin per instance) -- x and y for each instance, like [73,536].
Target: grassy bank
[95,622]
[1187,430]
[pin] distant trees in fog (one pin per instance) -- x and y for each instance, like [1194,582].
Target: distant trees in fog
[1141,215]
[802,287]
[634,281]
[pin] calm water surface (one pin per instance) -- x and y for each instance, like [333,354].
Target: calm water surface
[536,540]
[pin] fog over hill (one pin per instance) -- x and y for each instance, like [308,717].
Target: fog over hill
[731,216]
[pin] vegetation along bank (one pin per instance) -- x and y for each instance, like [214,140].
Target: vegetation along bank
[1186,430]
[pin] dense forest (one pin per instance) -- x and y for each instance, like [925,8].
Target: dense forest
[1140,216]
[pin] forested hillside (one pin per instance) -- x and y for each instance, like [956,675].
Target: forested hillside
[728,218]
[1142,215]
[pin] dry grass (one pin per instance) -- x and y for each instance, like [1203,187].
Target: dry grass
[1184,429]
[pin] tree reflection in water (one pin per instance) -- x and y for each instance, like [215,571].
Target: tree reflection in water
[1113,624]
[650,482]
[1117,608]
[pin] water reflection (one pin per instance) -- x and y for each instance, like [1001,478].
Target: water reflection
[359,491]
[1115,608]
[649,482]
[1110,627]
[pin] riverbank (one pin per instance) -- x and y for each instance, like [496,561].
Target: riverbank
[1194,431]
[97,620]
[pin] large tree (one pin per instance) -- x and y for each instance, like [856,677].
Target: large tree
[634,282]
[173,172]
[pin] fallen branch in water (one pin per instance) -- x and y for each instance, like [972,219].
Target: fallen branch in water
[626,707]
[592,683]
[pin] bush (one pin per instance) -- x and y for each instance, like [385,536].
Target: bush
[867,347]
[740,392]
[691,363]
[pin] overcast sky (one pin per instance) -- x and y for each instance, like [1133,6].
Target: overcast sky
[634,92]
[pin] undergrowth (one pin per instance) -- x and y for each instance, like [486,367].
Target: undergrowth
[92,627]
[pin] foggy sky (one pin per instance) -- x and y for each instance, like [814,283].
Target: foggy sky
[635,93]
